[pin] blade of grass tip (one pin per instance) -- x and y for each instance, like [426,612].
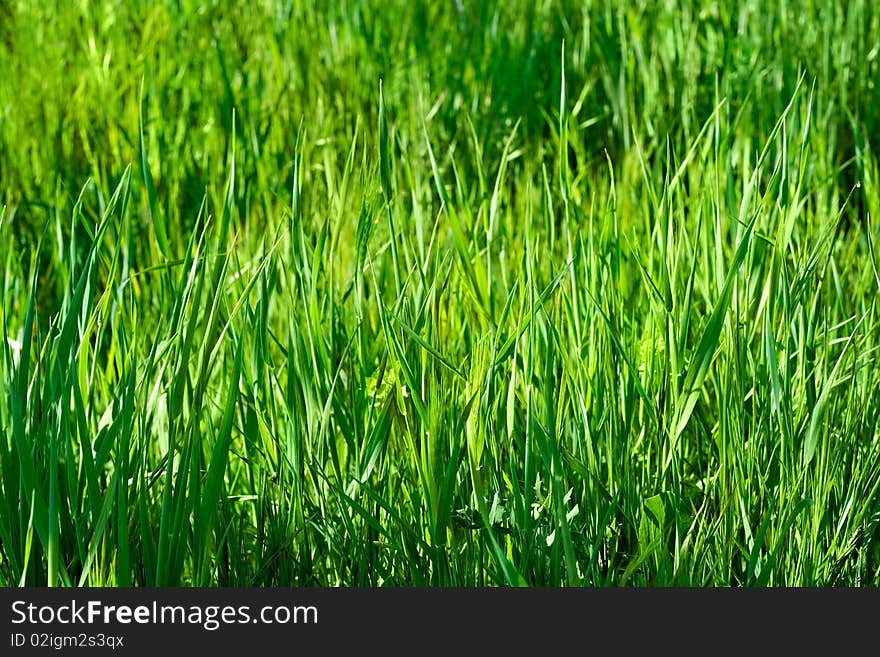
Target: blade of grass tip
[673,183]
[385,179]
[384,155]
[229,198]
[495,201]
[297,245]
[705,350]
[786,226]
[478,160]
[154,208]
[213,301]
[821,252]
[64,369]
[563,134]
[473,267]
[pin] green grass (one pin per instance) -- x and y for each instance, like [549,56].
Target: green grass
[396,293]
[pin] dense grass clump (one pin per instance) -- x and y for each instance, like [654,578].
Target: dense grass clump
[451,293]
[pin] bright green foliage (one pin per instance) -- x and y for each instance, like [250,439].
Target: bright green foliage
[442,293]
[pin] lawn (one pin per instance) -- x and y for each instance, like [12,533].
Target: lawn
[453,293]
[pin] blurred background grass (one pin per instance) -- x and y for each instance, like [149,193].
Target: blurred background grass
[72,73]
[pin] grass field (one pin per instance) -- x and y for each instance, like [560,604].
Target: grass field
[451,293]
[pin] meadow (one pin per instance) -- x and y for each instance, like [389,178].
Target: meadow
[393,293]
